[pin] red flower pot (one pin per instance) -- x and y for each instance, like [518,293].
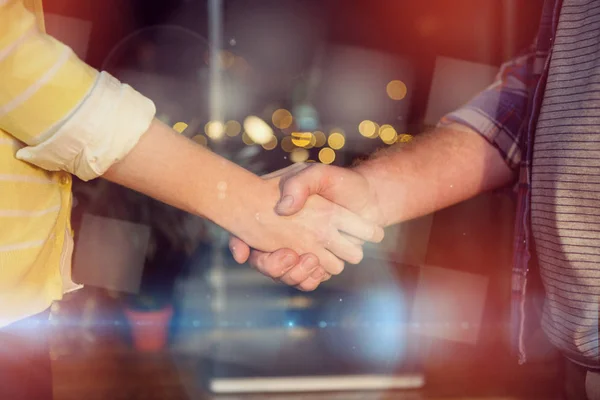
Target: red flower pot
[149,329]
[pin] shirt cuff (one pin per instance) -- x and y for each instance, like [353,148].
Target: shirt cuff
[496,120]
[103,130]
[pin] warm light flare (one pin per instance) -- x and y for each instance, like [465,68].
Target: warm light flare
[214,129]
[299,155]
[258,130]
[388,134]
[336,140]
[271,144]
[326,155]
[302,139]
[180,127]
[396,90]
[368,129]
[232,128]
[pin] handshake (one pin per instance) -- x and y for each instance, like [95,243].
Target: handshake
[329,211]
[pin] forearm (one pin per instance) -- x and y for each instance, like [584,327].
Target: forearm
[177,171]
[434,171]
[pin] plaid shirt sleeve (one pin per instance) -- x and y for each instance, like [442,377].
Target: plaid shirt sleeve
[498,112]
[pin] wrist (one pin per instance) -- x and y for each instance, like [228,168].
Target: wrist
[375,212]
[256,206]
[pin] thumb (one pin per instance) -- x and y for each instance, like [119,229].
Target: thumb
[239,249]
[296,189]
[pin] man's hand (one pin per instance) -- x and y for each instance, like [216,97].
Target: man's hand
[346,187]
[435,170]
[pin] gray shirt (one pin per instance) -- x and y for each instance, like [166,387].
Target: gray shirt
[565,199]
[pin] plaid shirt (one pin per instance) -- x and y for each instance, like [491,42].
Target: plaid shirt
[506,114]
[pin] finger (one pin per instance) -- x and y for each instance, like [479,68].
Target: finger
[239,249]
[353,225]
[309,284]
[319,273]
[296,190]
[301,271]
[318,276]
[274,264]
[352,239]
[343,248]
[332,264]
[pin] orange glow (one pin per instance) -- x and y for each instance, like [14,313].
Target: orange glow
[282,118]
[320,139]
[271,144]
[326,155]
[247,140]
[287,145]
[232,128]
[200,139]
[396,90]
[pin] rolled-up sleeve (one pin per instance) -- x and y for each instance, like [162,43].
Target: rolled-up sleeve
[70,116]
[498,113]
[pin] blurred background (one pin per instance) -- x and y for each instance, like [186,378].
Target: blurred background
[167,314]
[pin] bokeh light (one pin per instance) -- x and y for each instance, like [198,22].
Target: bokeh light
[247,139]
[327,155]
[258,130]
[214,129]
[336,140]
[388,134]
[232,128]
[313,142]
[299,155]
[320,139]
[180,127]
[271,144]
[405,138]
[302,139]
[287,145]
[368,129]
[396,90]
[200,139]
[282,118]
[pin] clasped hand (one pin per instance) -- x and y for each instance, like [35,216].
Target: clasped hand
[326,233]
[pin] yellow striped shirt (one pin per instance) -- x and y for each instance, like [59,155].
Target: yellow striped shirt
[58,117]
